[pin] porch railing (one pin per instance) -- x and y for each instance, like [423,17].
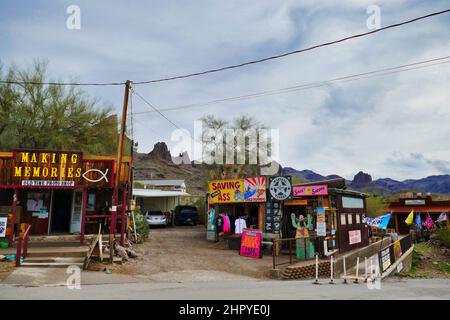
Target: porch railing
[277,250]
[22,245]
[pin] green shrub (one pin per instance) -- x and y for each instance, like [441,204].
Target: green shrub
[443,235]
[141,225]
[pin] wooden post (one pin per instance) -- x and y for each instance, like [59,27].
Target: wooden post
[396,223]
[14,208]
[115,202]
[83,216]
[123,217]
[261,217]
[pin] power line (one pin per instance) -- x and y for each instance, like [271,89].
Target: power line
[63,83]
[354,77]
[236,65]
[295,51]
[154,108]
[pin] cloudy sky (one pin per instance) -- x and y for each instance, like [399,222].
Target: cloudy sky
[394,126]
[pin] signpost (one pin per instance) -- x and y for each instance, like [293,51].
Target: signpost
[251,243]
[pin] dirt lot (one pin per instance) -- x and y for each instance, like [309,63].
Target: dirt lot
[183,254]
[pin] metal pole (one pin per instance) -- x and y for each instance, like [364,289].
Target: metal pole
[317,270]
[332,270]
[357,270]
[365,269]
[345,269]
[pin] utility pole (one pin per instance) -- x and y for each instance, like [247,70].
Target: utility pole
[115,202]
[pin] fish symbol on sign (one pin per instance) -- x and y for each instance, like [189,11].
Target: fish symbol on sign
[103,175]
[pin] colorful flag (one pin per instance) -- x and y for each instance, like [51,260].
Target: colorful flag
[419,221]
[379,222]
[442,217]
[410,218]
[428,222]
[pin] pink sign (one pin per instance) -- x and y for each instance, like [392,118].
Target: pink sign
[251,243]
[318,190]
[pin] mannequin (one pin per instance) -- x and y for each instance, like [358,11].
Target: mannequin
[302,236]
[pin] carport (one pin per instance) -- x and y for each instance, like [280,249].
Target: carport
[158,200]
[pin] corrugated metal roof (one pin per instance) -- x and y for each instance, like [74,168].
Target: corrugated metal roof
[161,182]
[153,193]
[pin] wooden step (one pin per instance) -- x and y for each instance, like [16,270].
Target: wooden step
[50,264]
[54,259]
[58,252]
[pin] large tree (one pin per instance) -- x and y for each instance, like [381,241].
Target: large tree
[214,137]
[52,116]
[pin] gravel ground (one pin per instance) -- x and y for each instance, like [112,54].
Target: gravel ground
[183,254]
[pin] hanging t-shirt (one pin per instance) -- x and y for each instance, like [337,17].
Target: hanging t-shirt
[239,224]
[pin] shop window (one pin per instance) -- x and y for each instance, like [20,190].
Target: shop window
[358,218]
[343,221]
[90,206]
[349,218]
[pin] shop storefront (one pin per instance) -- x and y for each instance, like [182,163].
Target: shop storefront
[58,192]
[235,204]
[332,215]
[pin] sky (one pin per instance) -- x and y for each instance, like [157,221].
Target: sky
[395,126]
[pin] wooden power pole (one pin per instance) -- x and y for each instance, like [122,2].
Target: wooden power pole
[115,202]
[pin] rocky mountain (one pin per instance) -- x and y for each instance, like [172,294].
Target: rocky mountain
[160,164]
[161,151]
[308,175]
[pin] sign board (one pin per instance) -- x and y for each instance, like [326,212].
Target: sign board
[251,243]
[385,259]
[415,202]
[321,226]
[317,190]
[354,236]
[226,191]
[255,189]
[296,202]
[237,190]
[3,226]
[54,169]
[272,217]
[280,188]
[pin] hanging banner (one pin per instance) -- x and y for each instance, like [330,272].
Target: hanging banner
[379,222]
[3,226]
[321,226]
[251,243]
[255,189]
[318,190]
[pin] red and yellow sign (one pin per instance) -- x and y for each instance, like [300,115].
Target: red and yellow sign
[226,191]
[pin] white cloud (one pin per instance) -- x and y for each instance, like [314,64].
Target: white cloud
[339,129]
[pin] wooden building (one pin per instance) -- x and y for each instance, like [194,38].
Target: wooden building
[60,192]
[343,208]
[423,205]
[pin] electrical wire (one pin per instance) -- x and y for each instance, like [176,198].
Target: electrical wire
[154,108]
[235,65]
[354,77]
[293,52]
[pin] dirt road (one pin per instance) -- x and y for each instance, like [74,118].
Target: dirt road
[183,254]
